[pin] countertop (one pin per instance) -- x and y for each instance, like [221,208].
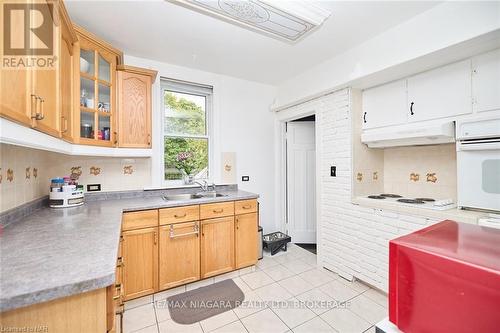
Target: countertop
[455,214]
[55,253]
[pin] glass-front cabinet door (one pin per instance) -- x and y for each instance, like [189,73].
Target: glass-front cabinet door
[97,94]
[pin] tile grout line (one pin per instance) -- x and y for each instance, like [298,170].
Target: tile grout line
[156,316]
[289,328]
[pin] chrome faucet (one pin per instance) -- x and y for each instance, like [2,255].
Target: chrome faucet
[204,185]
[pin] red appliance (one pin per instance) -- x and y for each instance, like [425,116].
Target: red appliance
[445,278]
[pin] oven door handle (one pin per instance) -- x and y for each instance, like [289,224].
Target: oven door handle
[461,146]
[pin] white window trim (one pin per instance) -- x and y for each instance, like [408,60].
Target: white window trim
[190,88]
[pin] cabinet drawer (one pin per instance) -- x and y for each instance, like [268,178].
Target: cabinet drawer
[245,206]
[215,210]
[179,214]
[142,219]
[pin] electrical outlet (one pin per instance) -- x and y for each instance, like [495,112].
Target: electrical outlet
[333,171]
[93,187]
[245,178]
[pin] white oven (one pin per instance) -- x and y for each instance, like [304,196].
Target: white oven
[478,164]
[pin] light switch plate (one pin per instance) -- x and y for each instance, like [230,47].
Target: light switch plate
[245,178]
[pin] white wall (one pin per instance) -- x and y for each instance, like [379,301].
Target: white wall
[242,123]
[440,27]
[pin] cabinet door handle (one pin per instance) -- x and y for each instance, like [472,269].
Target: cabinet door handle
[34,102]
[42,114]
[37,115]
[364,117]
[155,237]
[411,108]
[65,124]
[180,216]
[195,231]
[120,262]
[218,211]
[237,223]
[116,137]
[247,207]
[149,139]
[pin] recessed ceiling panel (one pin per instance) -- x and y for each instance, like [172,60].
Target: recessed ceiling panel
[288,21]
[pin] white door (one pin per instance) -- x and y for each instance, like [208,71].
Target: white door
[385,105]
[486,81]
[440,93]
[301,182]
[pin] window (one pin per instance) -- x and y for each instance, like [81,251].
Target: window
[186,130]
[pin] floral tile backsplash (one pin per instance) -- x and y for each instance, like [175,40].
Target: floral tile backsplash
[428,171]
[422,171]
[25,173]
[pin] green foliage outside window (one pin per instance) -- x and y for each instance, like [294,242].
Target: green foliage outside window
[184,156]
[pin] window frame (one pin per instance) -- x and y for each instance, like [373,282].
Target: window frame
[190,88]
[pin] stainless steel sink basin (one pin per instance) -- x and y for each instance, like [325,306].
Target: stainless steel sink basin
[211,194]
[184,196]
[190,196]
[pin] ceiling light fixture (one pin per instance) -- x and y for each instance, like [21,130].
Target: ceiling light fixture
[285,20]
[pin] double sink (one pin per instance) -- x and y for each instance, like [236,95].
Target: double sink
[191,196]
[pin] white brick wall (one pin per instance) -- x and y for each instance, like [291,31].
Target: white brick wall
[353,240]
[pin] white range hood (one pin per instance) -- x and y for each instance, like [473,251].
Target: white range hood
[409,135]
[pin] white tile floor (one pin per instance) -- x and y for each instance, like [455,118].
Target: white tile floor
[287,293]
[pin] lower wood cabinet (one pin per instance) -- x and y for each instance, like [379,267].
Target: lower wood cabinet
[140,262]
[179,252]
[169,247]
[80,313]
[217,246]
[246,235]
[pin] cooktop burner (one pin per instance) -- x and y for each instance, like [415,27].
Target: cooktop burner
[425,199]
[376,197]
[412,201]
[390,195]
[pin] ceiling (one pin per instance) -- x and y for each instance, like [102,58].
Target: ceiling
[170,33]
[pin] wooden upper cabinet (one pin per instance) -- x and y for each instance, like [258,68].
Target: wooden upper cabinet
[68,48]
[15,99]
[53,87]
[134,106]
[217,246]
[14,88]
[140,262]
[94,80]
[246,228]
[33,96]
